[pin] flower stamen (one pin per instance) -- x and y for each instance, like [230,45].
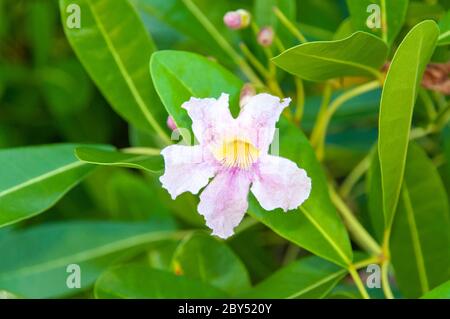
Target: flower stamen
[236,153]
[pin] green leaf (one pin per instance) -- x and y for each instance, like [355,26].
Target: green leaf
[440,292]
[316,225]
[392,16]
[444,26]
[114,47]
[150,163]
[420,232]
[205,258]
[140,281]
[34,261]
[177,71]
[361,54]
[310,277]
[34,178]
[403,80]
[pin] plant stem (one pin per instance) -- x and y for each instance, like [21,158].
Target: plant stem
[384,26]
[359,284]
[223,43]
[355,175]
[385,280]
[366,262]
[358,232]
[319,141]
[289,25]
[254,60]
[300,100]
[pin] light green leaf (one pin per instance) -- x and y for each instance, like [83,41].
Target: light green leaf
[403,80]
[177,71]
[392,16]
[149,163]
[444,26]
[316,227]
[310,277]
[420,232]
[34,178]
[34,261]
[114,47]
[440,292]
[7,295]
[205,258]
[360,54]
[140,281]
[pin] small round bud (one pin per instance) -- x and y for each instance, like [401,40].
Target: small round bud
[171,123]
[247,92]
[238,19]
[265,36]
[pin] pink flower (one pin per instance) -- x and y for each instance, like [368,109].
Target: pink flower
[265,36]
[234,152]
[171,123]
[238,19]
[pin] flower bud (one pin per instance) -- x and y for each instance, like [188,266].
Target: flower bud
[238,19]
[247,92]
[171,123]
[265,36]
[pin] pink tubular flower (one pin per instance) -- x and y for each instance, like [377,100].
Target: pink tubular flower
[238,19]
[235,153]
[265,36]
[171,123]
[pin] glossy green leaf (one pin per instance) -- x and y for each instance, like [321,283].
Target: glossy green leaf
[140,281]
[420,233]
[444,26]
[34,261]
[205,258]
[116,58]
[34,178]
[440,292]
[7,295]
[316,226]
[310,277]
[403,80]
[177,71]
[392,16]
[149,163]
[360,54]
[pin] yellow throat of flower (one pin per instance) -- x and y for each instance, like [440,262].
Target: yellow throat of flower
[236,153]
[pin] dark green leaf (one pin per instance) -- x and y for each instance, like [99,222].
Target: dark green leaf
[141,281]
[34,178]
[114,47]
[420,232]
[34,261]
[310,277]
[211,261]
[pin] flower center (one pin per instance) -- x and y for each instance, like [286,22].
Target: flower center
[236,153]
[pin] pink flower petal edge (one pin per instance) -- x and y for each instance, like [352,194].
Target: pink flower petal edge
[232,159]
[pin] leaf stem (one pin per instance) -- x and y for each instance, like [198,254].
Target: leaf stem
[223,43]
[320,131]
[300,100]
[254,60]
[141,150]
[385,280]
[289,25]
[359,284]
[354,176]
[358,232]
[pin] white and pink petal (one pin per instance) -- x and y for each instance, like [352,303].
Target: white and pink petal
[187,169]
[280,183]
[224,202]
[210,117]
[258,119]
